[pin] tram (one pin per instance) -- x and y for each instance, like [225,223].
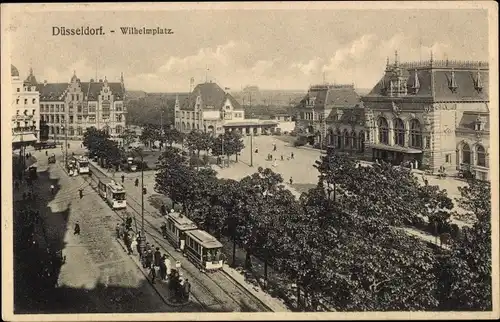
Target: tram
[203,250]
[82,164]
[175,227]
[112,192]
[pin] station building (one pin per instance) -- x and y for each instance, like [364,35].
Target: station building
[331,115]
[433,113]
[211,109]
[71,108]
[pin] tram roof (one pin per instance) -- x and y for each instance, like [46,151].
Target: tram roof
[181,221]
[205,239]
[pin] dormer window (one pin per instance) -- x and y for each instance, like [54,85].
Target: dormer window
[478,84]
[452,83]
[478,125]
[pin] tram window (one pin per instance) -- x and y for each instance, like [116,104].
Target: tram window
[119,196]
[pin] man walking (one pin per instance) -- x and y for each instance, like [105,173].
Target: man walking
[77,229]
[123,178]
[152,273]
[291,181]
[81,192]
[136,182]
[118,231]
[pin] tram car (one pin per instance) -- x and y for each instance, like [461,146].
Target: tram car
[112,192]
[175,227]
[204,250]
[82,164]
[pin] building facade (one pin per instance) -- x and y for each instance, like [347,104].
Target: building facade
[70,108]
[433,113]
[25,119]
[322,114]
[210,109]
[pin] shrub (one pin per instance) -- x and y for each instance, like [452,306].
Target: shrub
[301,141]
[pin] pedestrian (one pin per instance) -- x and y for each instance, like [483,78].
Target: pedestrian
[128,222]
[163,267]
[157,257]
[152,273]
[163,210]
[52,189]
[291,155]
[149,258]
[128,244]
[81,192]
[134,245]
[118,231]
[274,147]
[47,153]
[291,181]
[256,151]
[77,228]
[187,289]
[123,178]
[137,182]
[282,157]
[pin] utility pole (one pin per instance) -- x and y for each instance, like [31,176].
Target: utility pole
[251,148]
[142,238]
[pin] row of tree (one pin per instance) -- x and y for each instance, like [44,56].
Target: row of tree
[99,144]
[340,241]
[196,141]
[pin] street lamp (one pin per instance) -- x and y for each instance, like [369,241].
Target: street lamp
[142,237]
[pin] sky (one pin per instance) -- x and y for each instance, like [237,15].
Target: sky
[273,49]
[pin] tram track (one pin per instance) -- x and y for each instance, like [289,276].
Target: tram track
[215,277]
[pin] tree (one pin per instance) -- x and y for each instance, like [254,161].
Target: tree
[93,140]
[172,135]
[198,141]
[230,143]
[467,270]
[128,137]
[150,133]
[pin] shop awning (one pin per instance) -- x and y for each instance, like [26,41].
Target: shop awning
[21,139]
[395,148]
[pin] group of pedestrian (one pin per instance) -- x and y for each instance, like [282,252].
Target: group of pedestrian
[159,264]
[124,232]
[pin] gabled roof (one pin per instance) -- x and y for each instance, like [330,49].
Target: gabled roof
[435,78]
[212,95]
[331,96]
[55,91]
[468,121]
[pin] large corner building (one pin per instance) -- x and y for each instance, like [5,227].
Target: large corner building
[68,109]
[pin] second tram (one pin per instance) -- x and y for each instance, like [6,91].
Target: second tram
[112,192]
[175,227]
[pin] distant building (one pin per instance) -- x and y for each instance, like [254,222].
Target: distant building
[433,112]
[211,109]
[321,115]
[285,123]
[25,119]
[75,106]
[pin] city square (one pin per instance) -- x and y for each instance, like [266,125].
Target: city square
[230,174]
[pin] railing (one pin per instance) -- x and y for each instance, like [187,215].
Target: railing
[445,63]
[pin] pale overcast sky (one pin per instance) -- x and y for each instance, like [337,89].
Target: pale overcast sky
[274,49]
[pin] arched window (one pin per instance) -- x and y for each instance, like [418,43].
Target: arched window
[361,141]
[415,134]
[330,137]
[399,132]
[383,131]
[466,156]
[339,139]
[354,141]
[481,156]
[345,136]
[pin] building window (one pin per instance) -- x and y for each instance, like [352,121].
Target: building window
[347,141]
[466,155]
[79,108]
[118,129]
[399,132]
[92,119]
[383,131]
[33,111]
[17,101]
[427,142]
[119,117]
[62,107]
[72,97]
[481,156]
[18,89]
[78,131]
[416,134]
[105,109]
[92,108]
[448,158]
[79,119]
[71,119]
[57,118]
[51,108]
[25,101]
[354,141]
[33,101]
